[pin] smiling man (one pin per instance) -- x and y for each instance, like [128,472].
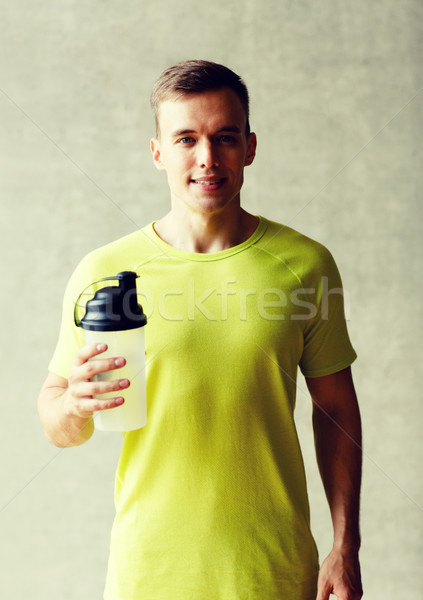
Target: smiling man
[211,498]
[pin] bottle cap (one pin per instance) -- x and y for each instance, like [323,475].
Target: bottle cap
[114,308]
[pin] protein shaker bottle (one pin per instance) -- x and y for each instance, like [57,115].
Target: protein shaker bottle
[114,317]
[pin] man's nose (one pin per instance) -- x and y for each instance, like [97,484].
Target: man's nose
[207,155]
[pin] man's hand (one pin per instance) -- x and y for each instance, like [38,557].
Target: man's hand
[66,406]
[79,396]
[340,575]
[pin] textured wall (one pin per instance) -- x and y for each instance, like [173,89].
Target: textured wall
[336,94]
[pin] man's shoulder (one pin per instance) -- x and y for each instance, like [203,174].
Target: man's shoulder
[127,253]
[288,244]
[307,259]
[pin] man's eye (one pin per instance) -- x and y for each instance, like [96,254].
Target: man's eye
[227,139]
[186,140]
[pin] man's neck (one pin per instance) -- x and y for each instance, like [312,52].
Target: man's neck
[206,233]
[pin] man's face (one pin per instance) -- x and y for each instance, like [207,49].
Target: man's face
[203,147]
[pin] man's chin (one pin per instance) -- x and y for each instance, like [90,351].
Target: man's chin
[207,205]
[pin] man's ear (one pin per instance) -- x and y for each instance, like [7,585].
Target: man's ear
[251,149]
[155,151]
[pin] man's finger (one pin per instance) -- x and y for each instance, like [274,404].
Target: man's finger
[86,408]
[94,367]
[323,592]
[87,352]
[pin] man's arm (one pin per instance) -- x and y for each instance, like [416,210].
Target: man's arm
[66,406]
[337,434]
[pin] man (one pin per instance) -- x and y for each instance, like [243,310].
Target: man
[211,500]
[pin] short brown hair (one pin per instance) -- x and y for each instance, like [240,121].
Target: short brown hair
[196,77]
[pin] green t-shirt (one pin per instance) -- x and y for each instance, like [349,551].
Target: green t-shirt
[211,500]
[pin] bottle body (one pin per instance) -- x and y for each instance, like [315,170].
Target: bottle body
[129,344]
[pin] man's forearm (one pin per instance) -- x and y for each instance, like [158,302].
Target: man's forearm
[337,434]
[338,447]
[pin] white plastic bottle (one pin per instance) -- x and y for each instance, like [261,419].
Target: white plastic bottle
[115,318]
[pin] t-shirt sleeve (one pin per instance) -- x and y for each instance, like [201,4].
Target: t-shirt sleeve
[71,337]
[327,346]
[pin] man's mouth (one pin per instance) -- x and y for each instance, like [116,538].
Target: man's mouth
[208,182]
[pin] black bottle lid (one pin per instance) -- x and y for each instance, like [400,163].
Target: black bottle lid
[114,308]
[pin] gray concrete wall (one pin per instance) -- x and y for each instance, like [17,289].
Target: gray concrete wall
[336,93]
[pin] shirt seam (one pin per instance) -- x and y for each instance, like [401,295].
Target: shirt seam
[281,260]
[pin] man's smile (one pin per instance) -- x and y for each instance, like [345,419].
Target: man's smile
[209,182]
